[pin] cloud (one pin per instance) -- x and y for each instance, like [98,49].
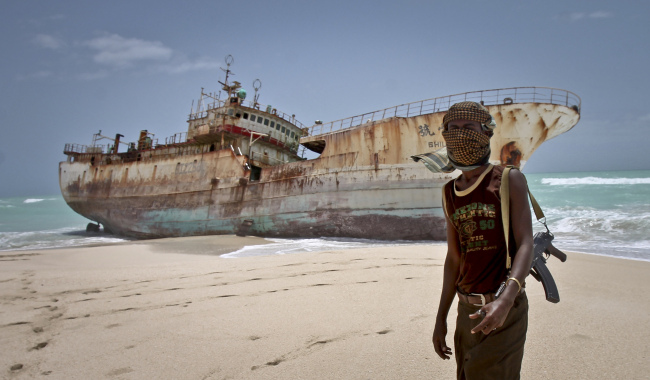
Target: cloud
[576,16]
[47,41]
[112,53]
[37,75]
[117,51]
[644,118]
[183,65]
[92,76]
[601,14]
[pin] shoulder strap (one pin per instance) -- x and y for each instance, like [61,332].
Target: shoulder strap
[505,209]
[444,199]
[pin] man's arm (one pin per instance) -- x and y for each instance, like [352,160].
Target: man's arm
[521,222]
[452,265]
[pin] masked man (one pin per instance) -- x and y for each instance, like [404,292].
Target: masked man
[490,331]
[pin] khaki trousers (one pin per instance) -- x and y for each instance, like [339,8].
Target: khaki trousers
[497,355]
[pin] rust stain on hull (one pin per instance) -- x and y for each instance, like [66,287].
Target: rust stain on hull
[510,154]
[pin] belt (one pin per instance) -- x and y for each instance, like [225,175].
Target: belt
[479,299]
[476,299]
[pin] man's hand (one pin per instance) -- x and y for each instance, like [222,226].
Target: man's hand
[495,314]
[438,339]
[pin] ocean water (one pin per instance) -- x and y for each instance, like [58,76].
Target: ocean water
[44,222]
[605,213]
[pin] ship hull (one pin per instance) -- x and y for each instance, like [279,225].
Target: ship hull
[364,184]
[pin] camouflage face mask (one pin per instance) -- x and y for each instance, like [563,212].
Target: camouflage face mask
[465,146]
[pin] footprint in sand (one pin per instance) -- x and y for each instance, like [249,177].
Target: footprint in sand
[16,367]
[17,323]
[39,346]
[119,371]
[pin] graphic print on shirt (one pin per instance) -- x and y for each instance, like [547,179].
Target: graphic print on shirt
[471,220]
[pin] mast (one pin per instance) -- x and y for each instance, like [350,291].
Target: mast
[257,84]
[230,89]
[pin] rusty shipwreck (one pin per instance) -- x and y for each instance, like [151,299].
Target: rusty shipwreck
[239,168]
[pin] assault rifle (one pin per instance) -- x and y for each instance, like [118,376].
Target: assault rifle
[541,241]
[542,247]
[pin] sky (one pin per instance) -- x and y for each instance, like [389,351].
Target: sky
[69,69]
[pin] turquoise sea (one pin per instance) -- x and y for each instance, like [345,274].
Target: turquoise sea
[605,213]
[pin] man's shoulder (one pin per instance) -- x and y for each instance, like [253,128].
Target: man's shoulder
[449,183]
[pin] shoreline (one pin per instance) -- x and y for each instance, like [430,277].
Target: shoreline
[136,311]
[233,246]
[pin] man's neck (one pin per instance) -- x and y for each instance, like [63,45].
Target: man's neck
[468,178]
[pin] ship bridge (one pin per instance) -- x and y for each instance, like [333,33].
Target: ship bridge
[268,137]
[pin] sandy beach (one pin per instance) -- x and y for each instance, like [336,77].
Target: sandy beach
[174,309]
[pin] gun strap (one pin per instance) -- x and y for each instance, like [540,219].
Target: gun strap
[505,209]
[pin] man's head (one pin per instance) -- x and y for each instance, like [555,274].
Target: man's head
[464,113]
[467,128]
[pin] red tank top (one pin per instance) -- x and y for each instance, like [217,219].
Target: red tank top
[475,215]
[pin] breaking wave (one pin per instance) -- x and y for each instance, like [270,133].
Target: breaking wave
[58,238]
[288,246]
[33,200]
[594,181]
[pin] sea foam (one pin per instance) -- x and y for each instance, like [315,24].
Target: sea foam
[33,200]
[594,181]
[289,246]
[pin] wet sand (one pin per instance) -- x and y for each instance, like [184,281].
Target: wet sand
[172,308]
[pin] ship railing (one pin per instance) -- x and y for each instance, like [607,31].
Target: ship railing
[203,110]
[260,157]
[486,97]
[302,152]
[275,112]
[82,149]
[177,138]
[289,118]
